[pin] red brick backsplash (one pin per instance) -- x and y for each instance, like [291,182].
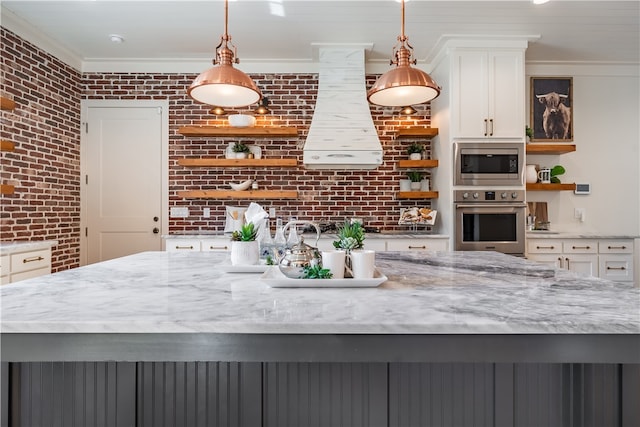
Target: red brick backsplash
[45,165]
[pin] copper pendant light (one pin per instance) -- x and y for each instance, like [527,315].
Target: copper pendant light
[404,85]
[223,85]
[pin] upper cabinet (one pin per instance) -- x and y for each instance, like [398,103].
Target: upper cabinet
[487,88]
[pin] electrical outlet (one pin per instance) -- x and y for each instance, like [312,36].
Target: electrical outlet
[272,212]
[206,213]
[179,212]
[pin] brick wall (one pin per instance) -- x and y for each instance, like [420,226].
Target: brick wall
[45,165]
[332,195]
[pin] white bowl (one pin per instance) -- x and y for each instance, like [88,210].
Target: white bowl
[241,120]
[242,186]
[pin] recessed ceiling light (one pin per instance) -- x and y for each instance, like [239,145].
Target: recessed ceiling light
[116,38]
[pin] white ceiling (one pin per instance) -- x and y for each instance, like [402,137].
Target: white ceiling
[278,35]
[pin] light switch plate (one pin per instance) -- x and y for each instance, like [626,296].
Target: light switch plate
[179,212]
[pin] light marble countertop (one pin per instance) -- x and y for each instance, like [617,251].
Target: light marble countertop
[25,246]
[427,293]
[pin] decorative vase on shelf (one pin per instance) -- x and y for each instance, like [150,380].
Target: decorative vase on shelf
[405,185]
[424,184]
[531,174]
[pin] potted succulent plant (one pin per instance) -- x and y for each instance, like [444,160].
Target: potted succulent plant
[350,236]
[415,178]
[528,132]
[244,247]
[241,150]
[415,151]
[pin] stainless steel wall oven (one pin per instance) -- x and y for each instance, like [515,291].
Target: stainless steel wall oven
[490,221]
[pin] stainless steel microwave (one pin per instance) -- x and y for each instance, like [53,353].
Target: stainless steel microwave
[488,163]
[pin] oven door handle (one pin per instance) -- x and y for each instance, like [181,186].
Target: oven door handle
[491,205]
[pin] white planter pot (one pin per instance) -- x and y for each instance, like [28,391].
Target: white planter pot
[245,253]
[241,155]
[415,156]
[405,185]
[415,186]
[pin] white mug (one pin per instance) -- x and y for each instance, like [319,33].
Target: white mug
[544,175]
[334,261]
[363,263]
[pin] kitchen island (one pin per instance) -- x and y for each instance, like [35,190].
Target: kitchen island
[455,338]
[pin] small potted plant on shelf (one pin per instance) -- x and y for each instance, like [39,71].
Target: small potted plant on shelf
[241,150]
[415,151]
[528,132]
[415,178]
[244,246]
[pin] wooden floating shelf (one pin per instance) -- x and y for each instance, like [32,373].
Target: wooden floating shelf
[231,131]
[7,104]
[230,194]
[6,189]
[418,195]
[534,148]
[417,163]
[416,132]
[551,187]
[7,145]
[238,162]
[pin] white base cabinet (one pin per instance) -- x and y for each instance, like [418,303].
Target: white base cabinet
[607,259]
[18,266]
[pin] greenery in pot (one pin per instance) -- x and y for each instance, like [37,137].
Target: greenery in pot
[528,131]
[239,147]
[415,148]
[247,233]
[414,176]
[555,171]
[350,236]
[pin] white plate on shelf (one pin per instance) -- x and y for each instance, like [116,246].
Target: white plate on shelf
[274,278]
[255,268]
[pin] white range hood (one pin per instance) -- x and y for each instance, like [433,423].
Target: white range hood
[342,134]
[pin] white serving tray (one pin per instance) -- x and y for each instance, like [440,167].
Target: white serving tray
[274,278]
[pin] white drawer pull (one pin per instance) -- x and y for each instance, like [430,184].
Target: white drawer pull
[545,247]
[616,268]
[35,258]
[184,247]
[581,247]
[213,248]
[418,247]
[616,247]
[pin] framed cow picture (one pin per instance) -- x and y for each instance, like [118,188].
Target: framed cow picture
[552,109]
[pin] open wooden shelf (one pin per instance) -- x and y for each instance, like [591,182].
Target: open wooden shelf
[203,162]
[416,131]
[230,194]
[7,145]
[7,104]
[418,163]
[417,195]
[6,189]
[535,148]
[551,187]
[231,131]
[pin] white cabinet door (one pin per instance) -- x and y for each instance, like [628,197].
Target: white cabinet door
[584,265]
[215,245]
[182,245]
[618,268]
[488,94]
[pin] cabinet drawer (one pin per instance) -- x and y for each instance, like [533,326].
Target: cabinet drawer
[5,264]
[617,267]
[416,245]
[215,245]
[30,274]
[544,246]
[182,245]
[580,246]
[30,261]
[615,246]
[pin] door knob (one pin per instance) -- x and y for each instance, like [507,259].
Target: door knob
[155,219]
[156,230]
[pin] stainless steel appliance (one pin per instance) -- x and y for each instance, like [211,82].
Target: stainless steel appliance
[490,220]
[491,164]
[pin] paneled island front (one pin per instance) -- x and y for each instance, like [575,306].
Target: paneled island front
[450,339]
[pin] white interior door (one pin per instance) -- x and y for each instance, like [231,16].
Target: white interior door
[124,178]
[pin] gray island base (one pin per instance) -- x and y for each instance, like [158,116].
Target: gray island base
[451,339]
